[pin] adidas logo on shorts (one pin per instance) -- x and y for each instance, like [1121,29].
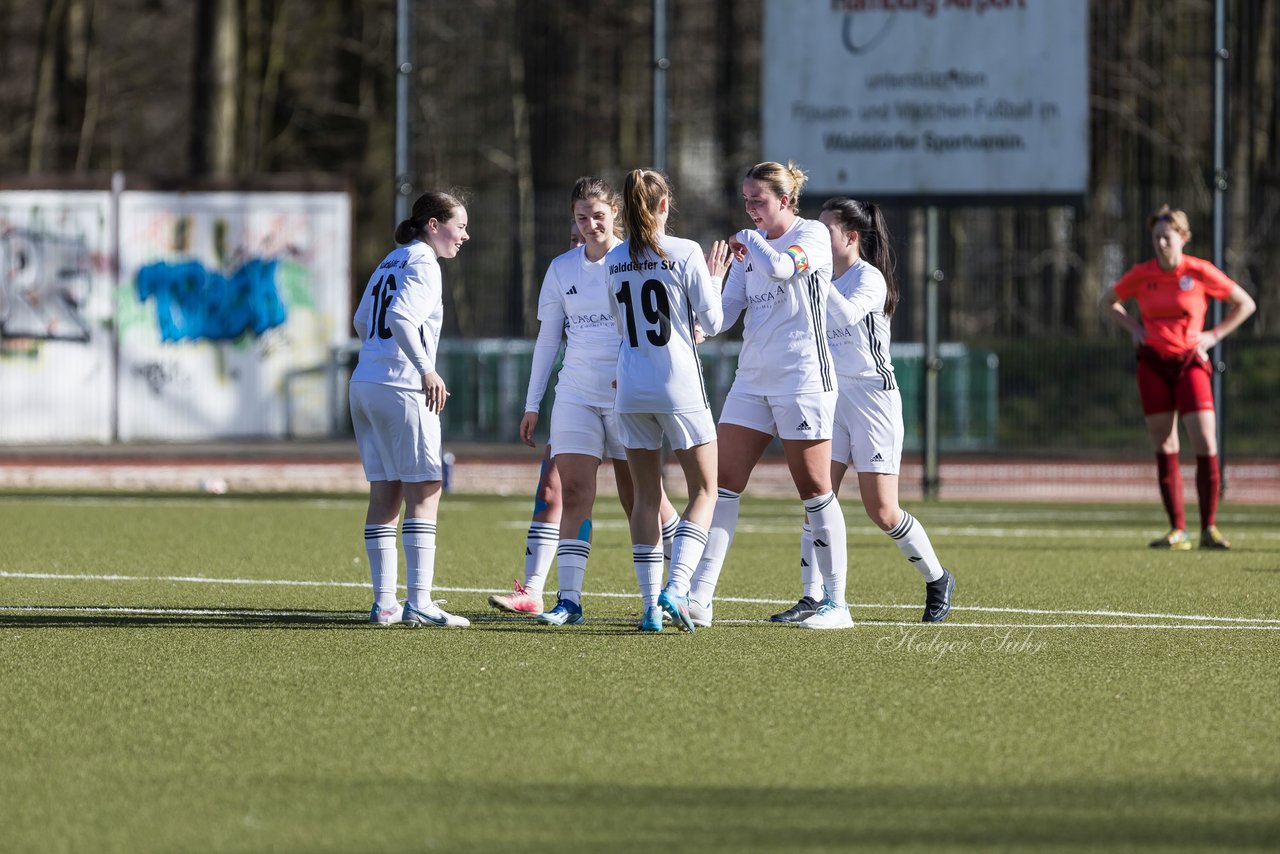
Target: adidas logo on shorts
[804,424]
[573,289]
[877,458]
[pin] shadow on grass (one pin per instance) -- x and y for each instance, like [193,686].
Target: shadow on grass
[73,616]
[93,616]
[1136,814]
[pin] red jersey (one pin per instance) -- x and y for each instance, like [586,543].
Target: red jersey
[1173,303]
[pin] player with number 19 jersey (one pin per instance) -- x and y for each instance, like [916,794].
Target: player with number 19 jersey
[656,303]
[407,284]
[784,342]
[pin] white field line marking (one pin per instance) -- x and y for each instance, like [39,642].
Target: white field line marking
[1008,533]
[940,531]
[954,625]
[266,582]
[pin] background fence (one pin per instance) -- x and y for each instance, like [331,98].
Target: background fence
[141,316]
[488,378]
[514,100]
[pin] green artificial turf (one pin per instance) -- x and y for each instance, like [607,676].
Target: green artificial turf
[142,710]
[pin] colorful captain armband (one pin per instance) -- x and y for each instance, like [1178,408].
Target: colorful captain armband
[798,255]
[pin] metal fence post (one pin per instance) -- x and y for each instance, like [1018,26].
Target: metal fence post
[932,361]
[1220,182]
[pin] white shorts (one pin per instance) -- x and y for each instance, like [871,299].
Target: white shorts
[791,416]
[869,430]
[580,429]
[683,429]
[397,437]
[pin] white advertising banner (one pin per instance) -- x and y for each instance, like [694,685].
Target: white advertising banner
[227,307]
[56,381]
[929,98]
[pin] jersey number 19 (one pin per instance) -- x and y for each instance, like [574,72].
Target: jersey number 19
[656,309]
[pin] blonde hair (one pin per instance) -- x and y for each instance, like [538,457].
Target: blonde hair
[641,193]
[1175,217]
[781,180]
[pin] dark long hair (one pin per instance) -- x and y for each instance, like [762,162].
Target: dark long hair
[873,235]
[433,204]
[641,192]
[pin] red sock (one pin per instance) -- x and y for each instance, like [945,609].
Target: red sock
[1169,476]
[1208,485]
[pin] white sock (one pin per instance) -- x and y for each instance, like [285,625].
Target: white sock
[810,578]
[829,554]
[913,542]
[571,568]
[380,545]
[686,550]
[539,552]
[724,521]
[669,535]
[419,536]
[648,563]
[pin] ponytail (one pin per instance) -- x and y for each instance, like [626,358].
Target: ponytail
[642,192]
[433,204]
[868,221]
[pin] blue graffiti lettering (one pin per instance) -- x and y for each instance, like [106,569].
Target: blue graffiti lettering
[196,304]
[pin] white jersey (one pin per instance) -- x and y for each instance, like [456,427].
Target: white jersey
[784,342]
[575,299]
[404,292]
[656,303]
[857,330]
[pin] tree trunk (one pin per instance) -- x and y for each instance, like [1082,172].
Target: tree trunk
[217,87]
[1252,214]
[44,116]
[270,90]
[93,84]
[525,233]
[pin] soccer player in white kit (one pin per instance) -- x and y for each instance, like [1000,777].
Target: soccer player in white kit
[785,384]
[869,431]
[574,302]
[396,398]
[660,288]
[543,537]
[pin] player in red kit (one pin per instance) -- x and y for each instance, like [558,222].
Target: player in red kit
[1174,375]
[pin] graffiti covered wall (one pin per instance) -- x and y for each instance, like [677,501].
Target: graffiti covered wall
[227,307]
[217,325]
[56,379]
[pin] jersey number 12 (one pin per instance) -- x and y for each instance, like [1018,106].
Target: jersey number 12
[382,294]
[656,309]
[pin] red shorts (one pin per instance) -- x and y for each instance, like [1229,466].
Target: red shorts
[1183,383]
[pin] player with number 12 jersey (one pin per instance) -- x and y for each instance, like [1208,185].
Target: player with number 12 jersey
[407,284]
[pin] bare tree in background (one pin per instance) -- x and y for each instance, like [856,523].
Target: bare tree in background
[65,98]
[216,99]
